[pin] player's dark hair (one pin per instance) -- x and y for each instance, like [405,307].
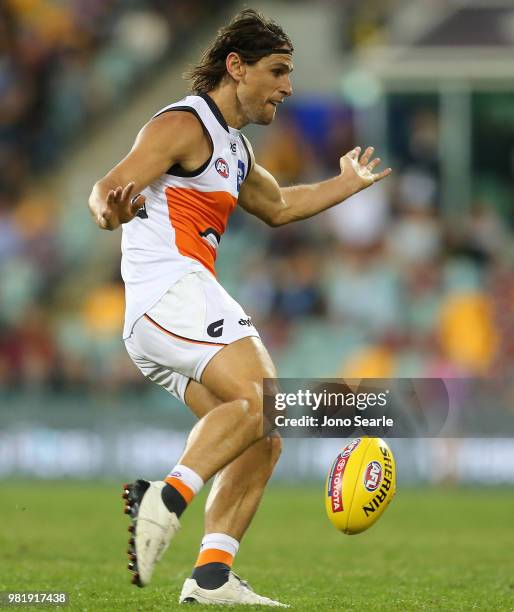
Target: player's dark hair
[249,34]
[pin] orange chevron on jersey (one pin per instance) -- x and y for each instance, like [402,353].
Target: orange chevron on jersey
[199,219]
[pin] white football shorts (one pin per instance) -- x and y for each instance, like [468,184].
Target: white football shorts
[175,340]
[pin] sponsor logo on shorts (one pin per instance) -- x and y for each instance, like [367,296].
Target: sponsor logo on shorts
[215,329]
[372,476]
[221,167]
[247,321]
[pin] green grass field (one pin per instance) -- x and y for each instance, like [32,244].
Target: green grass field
[432,550]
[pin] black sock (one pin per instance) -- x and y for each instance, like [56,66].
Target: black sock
[173,500]
[211,575]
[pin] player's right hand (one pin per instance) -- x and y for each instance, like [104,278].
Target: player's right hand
[120,207]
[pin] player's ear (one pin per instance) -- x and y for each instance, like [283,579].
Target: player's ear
[235,66]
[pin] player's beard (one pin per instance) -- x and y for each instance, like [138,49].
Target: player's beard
[264,115]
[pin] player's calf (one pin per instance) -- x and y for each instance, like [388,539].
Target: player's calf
[233,500]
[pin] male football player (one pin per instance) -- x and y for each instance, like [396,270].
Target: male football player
[173,193]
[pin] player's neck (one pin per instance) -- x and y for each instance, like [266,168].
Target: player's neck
[227,102]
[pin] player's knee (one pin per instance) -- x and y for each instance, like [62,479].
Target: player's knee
[274,448]
[251,402]
[269,449]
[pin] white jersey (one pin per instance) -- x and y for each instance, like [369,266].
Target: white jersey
[185,214]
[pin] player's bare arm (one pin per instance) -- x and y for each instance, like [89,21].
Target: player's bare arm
[262,196]
[171,138]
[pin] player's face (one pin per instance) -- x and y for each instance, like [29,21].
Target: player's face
[266,84]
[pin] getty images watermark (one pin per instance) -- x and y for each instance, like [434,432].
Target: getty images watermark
[305,398]
[395,408]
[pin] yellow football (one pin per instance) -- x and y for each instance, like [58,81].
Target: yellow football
[360,485]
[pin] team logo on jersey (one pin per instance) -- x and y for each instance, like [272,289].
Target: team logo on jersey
[215,329]
[240,173]
[221,167]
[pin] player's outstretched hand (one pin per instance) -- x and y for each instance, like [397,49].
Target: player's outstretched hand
[358,169]
[120,207]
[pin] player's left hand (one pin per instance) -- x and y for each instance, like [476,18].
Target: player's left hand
[358,170]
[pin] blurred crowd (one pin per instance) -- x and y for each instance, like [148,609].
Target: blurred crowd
[401,286]
[387,284]
[63,63]
[390,283]
[64,66]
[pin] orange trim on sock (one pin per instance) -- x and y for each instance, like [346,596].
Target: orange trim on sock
[182,488]
[213,555]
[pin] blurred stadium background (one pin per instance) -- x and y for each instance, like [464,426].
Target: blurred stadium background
[412,278]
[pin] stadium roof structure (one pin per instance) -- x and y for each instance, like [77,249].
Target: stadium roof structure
[451,49]
[458,41]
